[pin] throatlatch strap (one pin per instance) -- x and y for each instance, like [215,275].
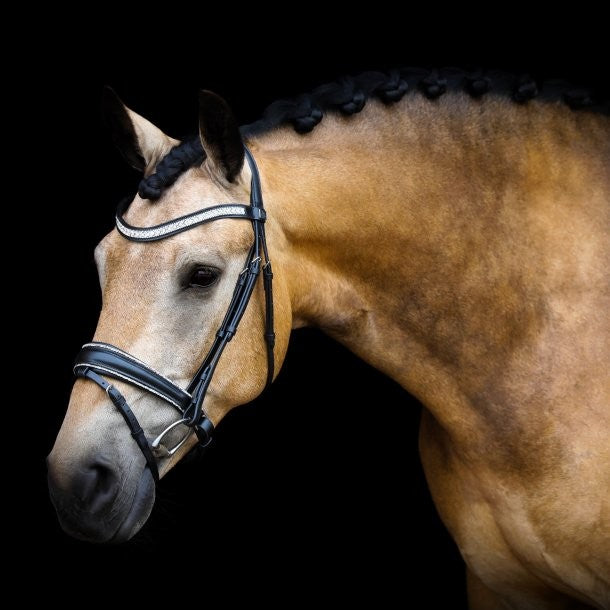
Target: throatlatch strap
[269,322]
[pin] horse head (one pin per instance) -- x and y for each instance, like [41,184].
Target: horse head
[173,296]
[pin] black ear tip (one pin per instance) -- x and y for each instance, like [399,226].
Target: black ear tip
[111,101]
[219,132]
[206,93]
[116,120]
[208,100]
[109,93]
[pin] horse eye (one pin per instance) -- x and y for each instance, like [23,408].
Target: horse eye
[203,277]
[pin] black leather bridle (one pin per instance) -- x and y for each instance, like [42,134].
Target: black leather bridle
[97,360]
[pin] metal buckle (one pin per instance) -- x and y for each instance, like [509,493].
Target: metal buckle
[249,266]
[162,451]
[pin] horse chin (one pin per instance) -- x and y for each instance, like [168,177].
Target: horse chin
[141,507]
[124,523]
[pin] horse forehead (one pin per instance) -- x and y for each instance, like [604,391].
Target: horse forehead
[192,191]
[190,194]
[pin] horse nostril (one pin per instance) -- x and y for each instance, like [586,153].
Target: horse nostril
[96,485]
[105,479]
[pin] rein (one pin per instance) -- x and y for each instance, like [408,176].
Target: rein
[98,360]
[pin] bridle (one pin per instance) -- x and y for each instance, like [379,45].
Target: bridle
[97,360]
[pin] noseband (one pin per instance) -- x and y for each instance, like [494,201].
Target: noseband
[97,360]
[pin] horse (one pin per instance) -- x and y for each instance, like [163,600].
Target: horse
[450,229]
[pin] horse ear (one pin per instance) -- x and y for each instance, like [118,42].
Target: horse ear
[140,142]
[220,136]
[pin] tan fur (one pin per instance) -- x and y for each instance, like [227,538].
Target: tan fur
[153,143]
[460,247]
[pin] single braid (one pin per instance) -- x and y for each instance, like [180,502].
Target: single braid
[356,104]
[525,90]
[302,112]
[477,84]
[433,85]
[578,98]
[307,114]
[393,89]
[346,96]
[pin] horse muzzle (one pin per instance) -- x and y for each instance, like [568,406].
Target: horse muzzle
[98,499]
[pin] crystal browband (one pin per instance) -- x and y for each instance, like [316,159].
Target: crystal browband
[177,225]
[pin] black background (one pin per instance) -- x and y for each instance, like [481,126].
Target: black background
[318,483]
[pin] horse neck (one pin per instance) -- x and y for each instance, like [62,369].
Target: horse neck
[395,231]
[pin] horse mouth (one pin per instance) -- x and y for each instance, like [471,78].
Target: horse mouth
[139,511]
[106,527]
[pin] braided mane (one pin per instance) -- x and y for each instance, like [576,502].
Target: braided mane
[348,95]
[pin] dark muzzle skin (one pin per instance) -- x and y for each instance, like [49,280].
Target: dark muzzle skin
[86,502]
[102,500]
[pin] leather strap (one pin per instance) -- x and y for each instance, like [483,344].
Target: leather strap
[256,201]
[269,322]
[114,362]
[131,420]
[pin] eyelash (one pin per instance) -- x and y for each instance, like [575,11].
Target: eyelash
[202,277]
